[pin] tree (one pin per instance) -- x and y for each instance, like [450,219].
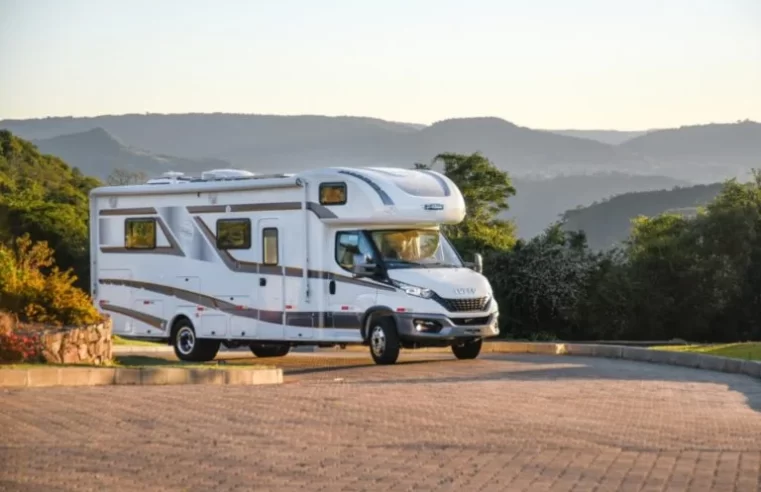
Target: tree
[42,196]
[486,190]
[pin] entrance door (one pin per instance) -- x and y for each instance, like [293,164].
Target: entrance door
[270,282]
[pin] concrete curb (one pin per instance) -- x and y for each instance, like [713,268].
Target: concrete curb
[611,351]
[103,376]
[640,354]
[666,357]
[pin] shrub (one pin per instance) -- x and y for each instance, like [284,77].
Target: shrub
[34,290]
[14,345]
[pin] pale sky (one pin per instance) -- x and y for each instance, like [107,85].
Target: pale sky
[554,64]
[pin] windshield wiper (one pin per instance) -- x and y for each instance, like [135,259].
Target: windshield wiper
[440,263]
[405,262]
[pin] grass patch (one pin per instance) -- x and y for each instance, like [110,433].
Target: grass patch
[745,351]
[117,340]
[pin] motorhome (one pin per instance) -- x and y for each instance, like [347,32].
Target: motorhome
[325,257]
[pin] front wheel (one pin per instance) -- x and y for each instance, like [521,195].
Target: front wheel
[467,350]
[261,350]
[191,349]
[384,341]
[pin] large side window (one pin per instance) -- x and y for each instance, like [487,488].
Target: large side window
[350,243]
[269,246]
[140,233]
[332,193]
[233,234]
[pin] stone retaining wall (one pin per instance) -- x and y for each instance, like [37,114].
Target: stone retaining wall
[76,345]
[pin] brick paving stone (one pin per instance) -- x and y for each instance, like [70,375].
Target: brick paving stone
[501,422]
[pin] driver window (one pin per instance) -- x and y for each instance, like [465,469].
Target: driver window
[352,243]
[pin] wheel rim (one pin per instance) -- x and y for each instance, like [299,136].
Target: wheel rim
[186,340]
[378,340]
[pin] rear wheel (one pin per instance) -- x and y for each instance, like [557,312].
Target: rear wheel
[467,350]
[270,350]
[189,348]
[384,341]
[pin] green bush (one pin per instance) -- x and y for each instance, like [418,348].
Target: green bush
[34,290]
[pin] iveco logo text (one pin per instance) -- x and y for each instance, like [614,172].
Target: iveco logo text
[465,290]
[434,206]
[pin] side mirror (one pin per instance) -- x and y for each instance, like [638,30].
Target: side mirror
[477,264]
[362,266]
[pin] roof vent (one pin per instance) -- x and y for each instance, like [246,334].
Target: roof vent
[227,174]
[169,177]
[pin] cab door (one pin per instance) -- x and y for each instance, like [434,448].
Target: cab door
[347,301]
[270,282]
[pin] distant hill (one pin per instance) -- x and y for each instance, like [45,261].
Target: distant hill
[540,202]
[267,142]
[714,151]
[612,137]
[97,153]
[609,222]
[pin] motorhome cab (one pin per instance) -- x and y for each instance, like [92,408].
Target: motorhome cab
[325,257]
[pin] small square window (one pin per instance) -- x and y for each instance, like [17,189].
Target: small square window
[234,234]
[332,193]
[140,233]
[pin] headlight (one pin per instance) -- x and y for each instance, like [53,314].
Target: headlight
[414,290]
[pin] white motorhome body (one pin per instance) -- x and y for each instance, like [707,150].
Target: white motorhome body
[273,261]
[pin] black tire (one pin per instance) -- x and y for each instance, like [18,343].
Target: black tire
[270,350]
[384,340]
[467,350]
[188,348]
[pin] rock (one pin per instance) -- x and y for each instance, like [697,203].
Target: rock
[70,354]
[51,357]
[52,341]
[82,350]
[100,347]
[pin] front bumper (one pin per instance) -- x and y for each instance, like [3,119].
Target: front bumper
[419,327]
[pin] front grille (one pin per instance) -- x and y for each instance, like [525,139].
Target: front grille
[470,321]
[463,305]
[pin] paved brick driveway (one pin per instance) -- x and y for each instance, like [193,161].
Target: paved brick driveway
[497,423]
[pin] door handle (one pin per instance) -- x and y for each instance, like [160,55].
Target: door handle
[262,282]
[332,287]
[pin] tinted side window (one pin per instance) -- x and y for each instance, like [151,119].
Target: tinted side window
[332,193]
[140,233]
[234,234]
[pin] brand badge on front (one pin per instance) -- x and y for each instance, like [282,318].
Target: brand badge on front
[465,290]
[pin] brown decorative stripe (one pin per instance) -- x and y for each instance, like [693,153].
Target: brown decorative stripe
[143,317]
[304,319]
[173,244]
[186,295]
[319,210]
[244,207]
[252,267]
[128,211]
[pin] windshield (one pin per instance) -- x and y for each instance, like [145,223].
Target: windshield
[415,248]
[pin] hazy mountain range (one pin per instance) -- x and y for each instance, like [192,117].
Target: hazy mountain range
[553,171]
[96,153]
[609,222]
